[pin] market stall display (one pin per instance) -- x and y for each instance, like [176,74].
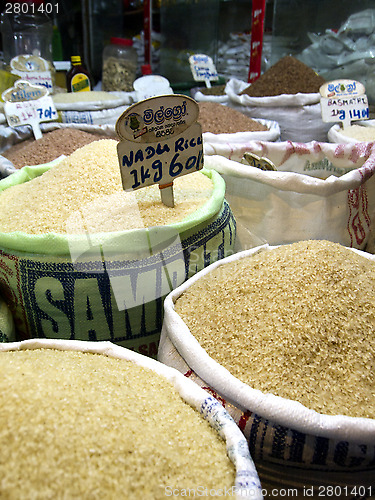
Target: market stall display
[252,281]
[132,425]
[282,335]
[96,261]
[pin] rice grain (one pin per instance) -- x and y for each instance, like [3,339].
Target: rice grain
[297,321]
[87,184]
[81,425]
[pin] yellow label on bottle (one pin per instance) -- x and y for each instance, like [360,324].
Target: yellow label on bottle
[80,83]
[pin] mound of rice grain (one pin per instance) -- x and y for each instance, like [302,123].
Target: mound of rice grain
[288,76]
[219,119]
[297,321]
[49,147]
[87,184]
[359,132]
[81,425]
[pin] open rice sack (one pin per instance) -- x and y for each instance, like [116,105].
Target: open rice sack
[19,148]
[286,192]
[298,115]
[83,259]
[284,338]
[136,428]
[230,128]
[360,131]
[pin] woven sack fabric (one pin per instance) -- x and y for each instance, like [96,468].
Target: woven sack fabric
[319,191]
[7,329]
[294,445]
[247,483]
[107,286]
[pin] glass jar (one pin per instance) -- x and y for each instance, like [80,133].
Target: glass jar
[27,44]
[119,65]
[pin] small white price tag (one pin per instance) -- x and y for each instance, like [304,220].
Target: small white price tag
[343,101]
[27,104]
[203,68]
[160,141]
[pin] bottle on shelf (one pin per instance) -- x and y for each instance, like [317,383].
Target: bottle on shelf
[78,78]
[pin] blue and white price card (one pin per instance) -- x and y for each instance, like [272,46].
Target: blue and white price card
[28,104]
[203,68]
[160,140]
[343,101]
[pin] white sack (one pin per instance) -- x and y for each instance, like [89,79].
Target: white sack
[319,191]
[298,115]
[114,100]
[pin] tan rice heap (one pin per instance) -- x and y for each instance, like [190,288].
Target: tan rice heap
[80,425]
[297,321]
[62,141]
[219,119]
[86,187]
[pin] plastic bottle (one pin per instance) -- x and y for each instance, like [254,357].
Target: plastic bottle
[119,65]
[78,77]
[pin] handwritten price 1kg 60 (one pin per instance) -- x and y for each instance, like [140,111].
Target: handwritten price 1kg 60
[156,172]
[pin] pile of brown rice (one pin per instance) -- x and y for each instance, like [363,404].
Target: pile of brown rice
[297,321]
[289,75]
[219,119]
[81,425]
[86,187]
[49,147]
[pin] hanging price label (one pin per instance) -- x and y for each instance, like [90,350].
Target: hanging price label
[343,101]
[27,104]
[160,141]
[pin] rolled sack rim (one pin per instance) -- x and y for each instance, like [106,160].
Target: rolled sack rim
[279,410]
[298,182]
[60,244]
[246,479]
